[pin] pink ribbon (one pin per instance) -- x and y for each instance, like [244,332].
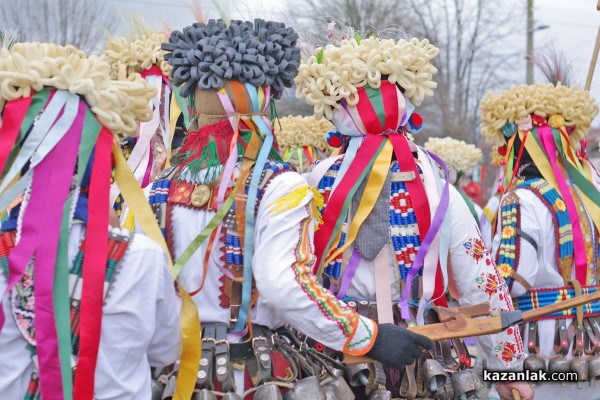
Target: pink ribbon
[39,238]
[547,140]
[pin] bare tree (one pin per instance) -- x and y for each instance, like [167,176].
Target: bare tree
[82,23]
[363,15]
[478,41]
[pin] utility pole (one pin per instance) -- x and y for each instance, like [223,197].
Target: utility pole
[530,30]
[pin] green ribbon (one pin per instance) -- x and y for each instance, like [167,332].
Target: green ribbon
[182,106]
[61,302]
[376,100]
[469,202]
[198,240]
[346,205]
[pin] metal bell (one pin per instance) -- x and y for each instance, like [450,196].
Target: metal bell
[465,384]
[307,388]
[381,393]
[559,364]
[339,386]
[231,396]
[434,375]
[533,363]
[594,369]
[157,390]
[357,374]
[204,394]
[580,366]
[169,391]
[268,392]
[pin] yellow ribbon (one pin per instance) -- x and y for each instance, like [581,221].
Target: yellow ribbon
[174,114]
[190,321]
[544,167]
[375,183]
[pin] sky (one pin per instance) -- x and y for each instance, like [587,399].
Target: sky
[572,26]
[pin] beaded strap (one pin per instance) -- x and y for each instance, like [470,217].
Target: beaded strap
[537,298]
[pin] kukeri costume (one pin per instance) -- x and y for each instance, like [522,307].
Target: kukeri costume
[547,237]
[387,235]
[239,221]
[85,311]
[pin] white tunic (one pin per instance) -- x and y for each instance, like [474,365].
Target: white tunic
[282,266]
[140,327]
[539,269]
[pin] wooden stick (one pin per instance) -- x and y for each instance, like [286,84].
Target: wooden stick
[590,75]
[516,395]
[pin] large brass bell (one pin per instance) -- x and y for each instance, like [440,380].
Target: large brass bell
[580,366]
[358,374]
[338,388]
[559,364]
[169,391]
[434,375]
[307,388]
[268,392]
[381,393]
[231,396]
[466,383]
[157,390]
[534,363]
[594,369]
[204,394]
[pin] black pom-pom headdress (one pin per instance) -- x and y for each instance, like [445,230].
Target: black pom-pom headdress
[262,53]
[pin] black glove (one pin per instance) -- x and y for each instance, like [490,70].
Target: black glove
[398,347]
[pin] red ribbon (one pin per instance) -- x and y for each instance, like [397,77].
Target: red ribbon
[419,200]
[94,268]
[332,212]
[12,118]
[367,113]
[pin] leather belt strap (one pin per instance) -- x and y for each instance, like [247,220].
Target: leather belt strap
[223,367]
[205,373]
[262,362]
[383,290]
[533,345]
[561,338]
[593,329]
[528,238]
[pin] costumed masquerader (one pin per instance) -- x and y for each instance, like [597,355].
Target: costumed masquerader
[85,311]
[302,140]
[461,158]
[547,236]
[387,236]
[240,225]
[149,152]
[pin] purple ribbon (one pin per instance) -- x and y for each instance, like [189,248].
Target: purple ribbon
[434,228]
[349,273]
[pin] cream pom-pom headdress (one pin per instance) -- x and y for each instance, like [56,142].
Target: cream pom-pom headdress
[336,72]
[557,105]
[302,140]
[458,155]
[137,53]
